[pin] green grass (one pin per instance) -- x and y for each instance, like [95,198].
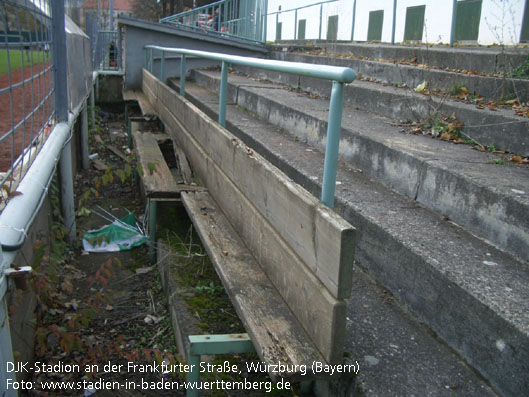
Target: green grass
[19,59]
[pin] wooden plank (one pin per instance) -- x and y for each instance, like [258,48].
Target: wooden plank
[183,164]
[324,318]
[323,239]
[146,108]
[157,178]
[130,95]
[276,335]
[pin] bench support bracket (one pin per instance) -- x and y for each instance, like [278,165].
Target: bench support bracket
[213,344]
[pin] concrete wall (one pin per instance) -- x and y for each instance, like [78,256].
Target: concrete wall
[138,34]
[500,20]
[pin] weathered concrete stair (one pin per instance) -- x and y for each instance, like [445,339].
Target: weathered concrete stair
[428,263]
[502,128]
[457,181]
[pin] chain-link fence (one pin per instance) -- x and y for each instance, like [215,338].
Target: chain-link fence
[26,87]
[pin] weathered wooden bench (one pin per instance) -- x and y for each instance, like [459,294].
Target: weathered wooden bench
[157,180]
[284,258]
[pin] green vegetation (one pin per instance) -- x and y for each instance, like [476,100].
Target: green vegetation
[522,71]
[19,59]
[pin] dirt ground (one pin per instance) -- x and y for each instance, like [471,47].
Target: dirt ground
[18,103]
[103,325]
[100,311]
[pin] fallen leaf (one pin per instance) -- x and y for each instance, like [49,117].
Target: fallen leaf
[67,287]
[421,87]
[109,308]
[143,270]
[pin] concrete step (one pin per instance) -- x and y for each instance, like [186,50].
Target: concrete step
[494,59]
[502,128]
[463,184]
[412,74]
[470,294]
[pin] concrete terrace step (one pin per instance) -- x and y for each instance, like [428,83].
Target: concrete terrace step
[503,128]
[472,295]
[392,72]
[479,59]
[463,184]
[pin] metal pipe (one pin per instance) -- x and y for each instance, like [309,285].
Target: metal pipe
[336,73]
[223,94]
[92,107]
[84,136]
[296,25]
[321,16]
[354,20]
[153,209]
[394,21]
[67,197]
[111,14]
[162,67]
[151,65]
[332,146]
[183,75]
[453,27]
[59,62]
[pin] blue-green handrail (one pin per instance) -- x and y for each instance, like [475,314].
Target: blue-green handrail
[338,75]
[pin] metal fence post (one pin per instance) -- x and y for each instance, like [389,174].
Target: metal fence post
[6,349]
[61,115]
[354,20]
[162,67]
[223,93]
[151,65]
[183,75]
[84,135]
[332,146]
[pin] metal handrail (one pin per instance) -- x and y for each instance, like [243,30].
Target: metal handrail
[338,75]
[237,20]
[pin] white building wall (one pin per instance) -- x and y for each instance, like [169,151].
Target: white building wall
[501,20]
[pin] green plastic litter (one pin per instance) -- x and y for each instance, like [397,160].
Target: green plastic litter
[122,235]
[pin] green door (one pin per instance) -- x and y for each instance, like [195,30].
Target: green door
[279,25]
[414,23]
[302,23]
[468,16]
[332,27]
[524,37]
[374,29]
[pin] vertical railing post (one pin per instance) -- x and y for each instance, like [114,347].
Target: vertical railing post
[394,21]
[151,65]
[296,25]
[146,58]
[332,146]
[265,22]
[6,349]
[61,115]
[354,20]
[92,107]
[162,66]
[321,16]
[223,93]
[453,27]
[183,75]
[153,212]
